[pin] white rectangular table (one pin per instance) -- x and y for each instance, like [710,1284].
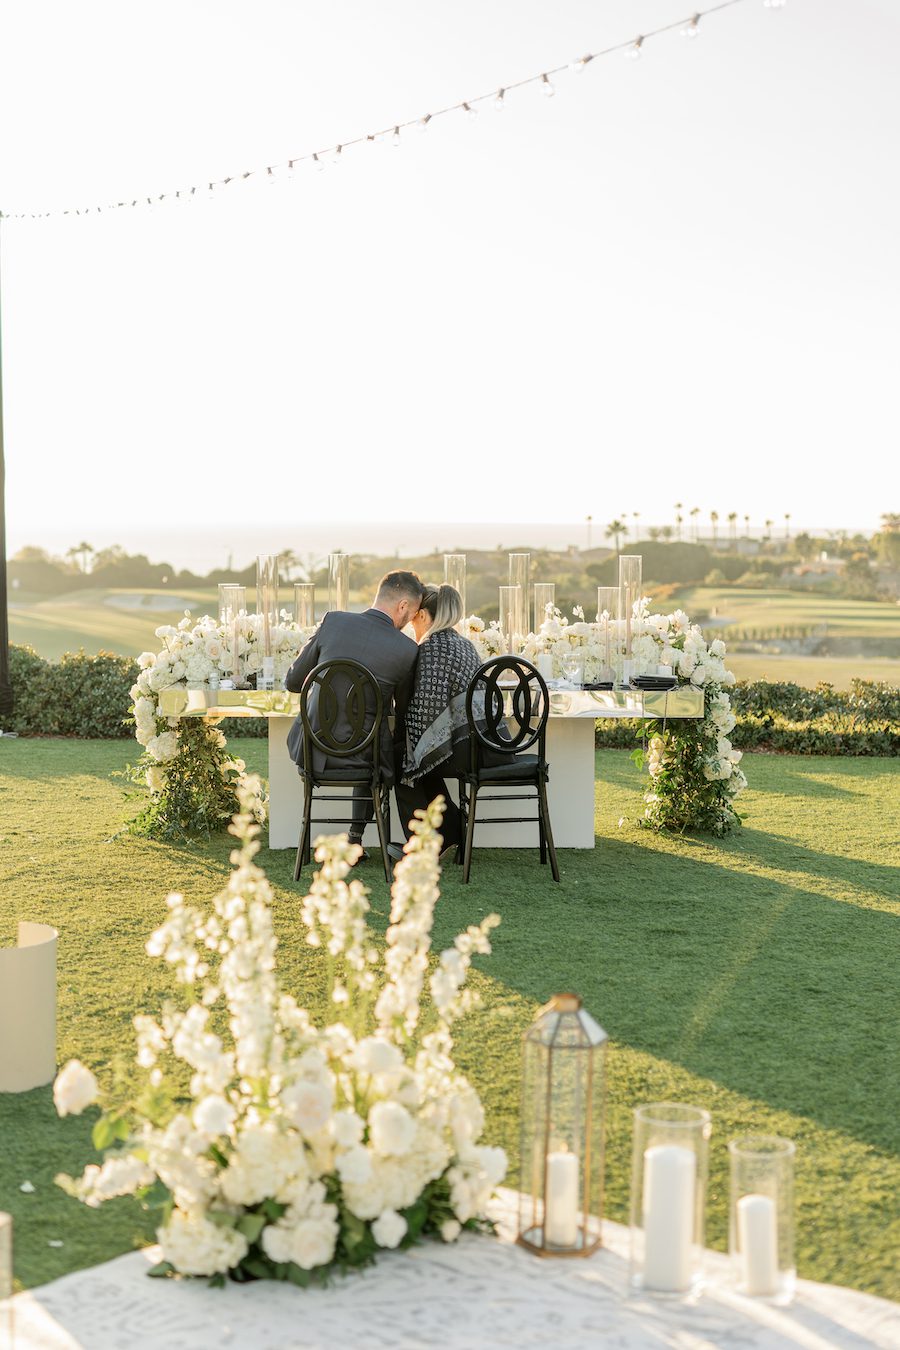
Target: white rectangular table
[570,754]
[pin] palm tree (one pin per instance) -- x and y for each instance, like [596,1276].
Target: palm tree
[787,524]
[732,528]
[679,521]
[694,513]
[769,524]
[679,506]
[614,530]
[590,520]
[746,527]
[636,514]
[714,519]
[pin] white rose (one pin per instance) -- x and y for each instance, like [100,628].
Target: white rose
[195,1246]
[214,1116]
[493,1164]
[308,1105]
[450,1230]
[391,1129]
[389,1229]
[355,1166]
[347,1128]
[74,1089]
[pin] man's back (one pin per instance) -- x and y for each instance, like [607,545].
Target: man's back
[371,639]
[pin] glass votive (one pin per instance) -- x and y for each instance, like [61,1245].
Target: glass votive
[761,1217]
[668,1198]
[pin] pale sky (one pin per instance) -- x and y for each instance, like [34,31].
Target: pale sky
[677,280]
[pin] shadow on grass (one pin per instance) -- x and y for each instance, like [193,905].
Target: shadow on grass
[762,986]
[780,851]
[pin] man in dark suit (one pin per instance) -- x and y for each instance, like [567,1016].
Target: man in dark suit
[374,639]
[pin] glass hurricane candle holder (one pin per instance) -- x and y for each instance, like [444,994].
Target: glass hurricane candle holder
[338,581]
[630,567]
[232,604]
[761,1217]
[668,1198]
[305,603]
[455,575]
[544,599]
[607,615]
[520,570]
[512,618]
[563,1098]
[267,601]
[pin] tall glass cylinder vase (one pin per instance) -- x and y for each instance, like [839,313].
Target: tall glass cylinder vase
[267,601]
[305,604]
[630,567]
[338,581]
[512,618]
[232,604]
[607,615]
[668,1197]
[455,575]
[761,1213]
[544,598]
[520,572]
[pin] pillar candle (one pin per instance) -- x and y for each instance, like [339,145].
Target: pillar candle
[758,1241]
[561,1221]
[668,1204]
[545,665]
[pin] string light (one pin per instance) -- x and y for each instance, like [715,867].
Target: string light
[273,172]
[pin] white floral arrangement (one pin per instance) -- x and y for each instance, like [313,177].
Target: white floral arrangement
[198,653]
[302,1148]
[675,798]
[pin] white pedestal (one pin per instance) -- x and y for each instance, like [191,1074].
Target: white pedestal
[28,1009]
[570,754]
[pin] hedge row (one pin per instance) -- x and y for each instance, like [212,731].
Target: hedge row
[88,696]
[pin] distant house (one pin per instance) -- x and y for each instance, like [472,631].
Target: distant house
[816,573]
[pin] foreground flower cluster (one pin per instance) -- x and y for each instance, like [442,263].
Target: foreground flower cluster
[694,773]
[193,779]
[297,1147]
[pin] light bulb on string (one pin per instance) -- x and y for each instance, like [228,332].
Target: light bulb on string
[692,28]
[633,51]
[395,138]
[580,66]
[422,124]
[498,103]
[547,88]
[470,112]
[318,163]
[337,161]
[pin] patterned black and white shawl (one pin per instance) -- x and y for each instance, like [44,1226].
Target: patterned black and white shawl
[436,715]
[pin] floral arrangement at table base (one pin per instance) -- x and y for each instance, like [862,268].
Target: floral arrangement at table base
[299,1149]
[694,768]
[193,778]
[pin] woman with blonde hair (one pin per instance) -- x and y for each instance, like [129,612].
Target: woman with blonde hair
[437,732]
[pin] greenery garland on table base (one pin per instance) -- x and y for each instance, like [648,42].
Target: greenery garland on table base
[303,1149]
[193,779]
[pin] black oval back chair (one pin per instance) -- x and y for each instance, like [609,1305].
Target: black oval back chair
[507,706]
[341,710]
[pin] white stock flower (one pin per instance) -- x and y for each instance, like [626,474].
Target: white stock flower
[214,1116]
[74,1088]
[308,1104]
[389,1229]
[375,1055]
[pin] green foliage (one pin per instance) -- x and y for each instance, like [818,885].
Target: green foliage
[680,561]
[80,695]
[198,795]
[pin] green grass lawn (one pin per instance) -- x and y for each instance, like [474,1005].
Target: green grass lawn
[808,671]
[754,975]
[736,607]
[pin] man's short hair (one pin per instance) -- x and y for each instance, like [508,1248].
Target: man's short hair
[396,586]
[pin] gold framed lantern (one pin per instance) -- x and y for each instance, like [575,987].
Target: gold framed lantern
[563,1098]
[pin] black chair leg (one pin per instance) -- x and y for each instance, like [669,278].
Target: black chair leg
[463,821]
[379,802]
[305,829]
[545,819]
[542,833]
[470,833]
